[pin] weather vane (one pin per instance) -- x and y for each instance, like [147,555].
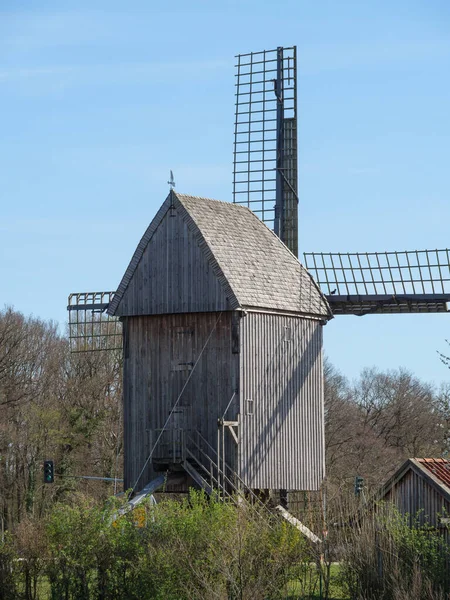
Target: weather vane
[171,181]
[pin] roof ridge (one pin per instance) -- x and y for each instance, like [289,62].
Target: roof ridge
[278,239]
[225,202]
[147,236]
[206,247]
[253,266]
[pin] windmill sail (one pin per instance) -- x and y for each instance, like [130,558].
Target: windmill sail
[265,139]
[383,282]
[265,179]
[90,327]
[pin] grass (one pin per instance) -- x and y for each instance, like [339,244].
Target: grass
[309,587]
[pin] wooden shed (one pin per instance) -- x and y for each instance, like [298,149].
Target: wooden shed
[222,333]
[421,489]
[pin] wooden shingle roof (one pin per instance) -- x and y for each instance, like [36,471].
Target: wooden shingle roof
[255,268]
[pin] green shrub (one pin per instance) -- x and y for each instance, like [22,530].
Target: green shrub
[387,559]
[8,577]
[197,548]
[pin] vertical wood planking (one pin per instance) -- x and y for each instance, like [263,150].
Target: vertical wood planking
[422,502]
[283,441]
[173,275]
[152,386]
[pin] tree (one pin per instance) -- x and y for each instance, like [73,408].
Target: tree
[379,421]
[53,405]
[400,410]
[444,358]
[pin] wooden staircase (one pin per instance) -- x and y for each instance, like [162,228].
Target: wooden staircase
[211,473]
[202,462]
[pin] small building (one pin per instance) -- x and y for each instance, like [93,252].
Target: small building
[222,338]
[421,489]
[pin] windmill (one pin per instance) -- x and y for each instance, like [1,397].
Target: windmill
[265,179]
[248,307]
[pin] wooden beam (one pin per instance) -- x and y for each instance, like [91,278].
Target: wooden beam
[299,525]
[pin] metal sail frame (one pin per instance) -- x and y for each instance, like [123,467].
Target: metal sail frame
[383,282]
[265,179]
[265,139]
[90,327]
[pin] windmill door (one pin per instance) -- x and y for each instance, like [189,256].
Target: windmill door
[179,425]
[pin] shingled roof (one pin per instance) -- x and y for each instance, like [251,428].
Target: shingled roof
[255,268]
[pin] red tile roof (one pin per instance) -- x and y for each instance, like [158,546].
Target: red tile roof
[440,467]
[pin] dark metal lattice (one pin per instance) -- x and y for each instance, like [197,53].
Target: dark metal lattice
[390,282]
[265,139]
[90,327]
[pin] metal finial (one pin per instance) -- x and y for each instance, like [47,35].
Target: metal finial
[171,181]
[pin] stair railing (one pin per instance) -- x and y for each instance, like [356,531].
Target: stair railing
[225,479]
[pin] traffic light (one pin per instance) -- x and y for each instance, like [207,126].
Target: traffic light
[359,484]
[49,475]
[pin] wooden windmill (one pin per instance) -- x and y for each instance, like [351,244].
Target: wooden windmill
[220,324]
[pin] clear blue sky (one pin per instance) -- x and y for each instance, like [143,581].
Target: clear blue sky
[100,99]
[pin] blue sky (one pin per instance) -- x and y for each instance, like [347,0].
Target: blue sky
[100,99]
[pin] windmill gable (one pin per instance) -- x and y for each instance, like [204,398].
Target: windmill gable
[171,272]
[205,255]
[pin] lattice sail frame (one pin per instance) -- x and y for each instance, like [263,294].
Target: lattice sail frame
[90,327]
[383,282]
[265,175]
[265,178]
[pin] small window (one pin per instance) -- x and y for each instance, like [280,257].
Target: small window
[249,406]
[287,334]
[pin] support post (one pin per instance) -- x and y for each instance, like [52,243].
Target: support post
[279,183]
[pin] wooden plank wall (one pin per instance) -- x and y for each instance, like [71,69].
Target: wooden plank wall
[155,350]
[415,497]
[282,433]
[173,275]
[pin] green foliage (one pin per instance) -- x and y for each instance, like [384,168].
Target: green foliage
[197,548]
[31,546]
[386,558]
[203,548]
[8,577]
[67,407]
[312,587]
[73,534]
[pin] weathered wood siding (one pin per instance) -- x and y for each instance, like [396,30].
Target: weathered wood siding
[414,496]
[281,374]
[159,354]
[173,275]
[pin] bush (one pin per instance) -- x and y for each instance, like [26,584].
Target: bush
[197,548]
[386,559]
[8,578]
[31,548]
